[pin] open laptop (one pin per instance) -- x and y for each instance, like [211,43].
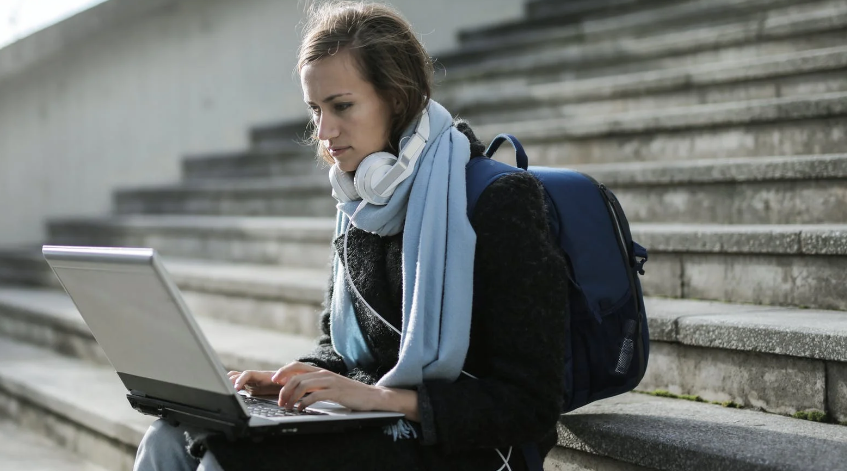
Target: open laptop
[138,317]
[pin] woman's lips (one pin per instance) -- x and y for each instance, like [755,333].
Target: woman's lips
[337,151]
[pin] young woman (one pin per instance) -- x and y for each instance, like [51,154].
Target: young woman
[459,324]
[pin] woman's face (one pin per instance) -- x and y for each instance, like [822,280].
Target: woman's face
[352,120]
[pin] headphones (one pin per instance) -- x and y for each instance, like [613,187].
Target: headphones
[378,175]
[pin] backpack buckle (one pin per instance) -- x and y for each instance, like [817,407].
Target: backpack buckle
[640,256]
[639,265]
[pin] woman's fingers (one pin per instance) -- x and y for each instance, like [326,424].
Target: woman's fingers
[299,385]
[311,398]
[283,374]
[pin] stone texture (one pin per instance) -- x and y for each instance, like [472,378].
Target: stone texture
[49,318]
[734,170]
[802,333]
[723,114]
[806,22]
[664,276]
[288,317]
[289,242]
[805,137]
[251,164]
[836,393]
[484,102]
[21,449]
[565,459]
[815,282]
[780,202]
[683,435]
[80,407]
[663,315]
[774,383]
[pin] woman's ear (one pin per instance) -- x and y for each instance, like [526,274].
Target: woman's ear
[396,105]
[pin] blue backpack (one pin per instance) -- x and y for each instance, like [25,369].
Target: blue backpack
[608,344]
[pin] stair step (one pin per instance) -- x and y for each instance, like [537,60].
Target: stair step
[284,299]
[289,136]
[759,190]
[546,17]
[775,31]
[755,128]
[251,164]
[791,265]
[788,265]
[670,434]
[22,449]
[782,360]
[48,318]
[78,405]
[290,242]
[625,18]
[41,389]
[291,196]
[780,76]
[740,341]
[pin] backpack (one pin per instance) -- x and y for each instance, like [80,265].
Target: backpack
[608,345]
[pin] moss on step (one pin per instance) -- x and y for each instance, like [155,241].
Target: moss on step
[812,414]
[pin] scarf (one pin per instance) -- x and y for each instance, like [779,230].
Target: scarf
[430,207]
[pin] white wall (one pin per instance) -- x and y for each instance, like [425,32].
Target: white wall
[116,96]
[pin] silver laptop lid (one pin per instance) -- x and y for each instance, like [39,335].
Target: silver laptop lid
[137,315]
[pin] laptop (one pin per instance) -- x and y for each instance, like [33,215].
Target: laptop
[138,317]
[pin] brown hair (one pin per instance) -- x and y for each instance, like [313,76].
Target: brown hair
[385,51]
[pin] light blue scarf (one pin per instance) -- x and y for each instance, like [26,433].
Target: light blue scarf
[430,207]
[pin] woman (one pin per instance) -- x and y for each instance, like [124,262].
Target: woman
[482,374]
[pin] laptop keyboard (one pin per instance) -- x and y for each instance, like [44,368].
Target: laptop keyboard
[265,408]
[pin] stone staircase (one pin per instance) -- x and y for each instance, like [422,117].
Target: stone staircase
[720,124]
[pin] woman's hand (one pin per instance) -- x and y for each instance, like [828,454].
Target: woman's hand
[298,379]
[257,383]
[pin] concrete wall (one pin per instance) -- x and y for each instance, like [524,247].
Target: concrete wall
[117,95]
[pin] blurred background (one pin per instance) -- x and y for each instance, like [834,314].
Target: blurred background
[721,125]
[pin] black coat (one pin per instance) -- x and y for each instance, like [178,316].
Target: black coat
[516,348]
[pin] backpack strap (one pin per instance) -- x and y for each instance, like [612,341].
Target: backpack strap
[480,172]
[520,154]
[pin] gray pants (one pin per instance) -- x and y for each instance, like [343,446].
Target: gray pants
[163,449]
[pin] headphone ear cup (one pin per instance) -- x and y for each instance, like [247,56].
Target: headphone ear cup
[343,187]
[371,171]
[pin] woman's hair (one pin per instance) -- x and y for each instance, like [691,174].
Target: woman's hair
[383,48]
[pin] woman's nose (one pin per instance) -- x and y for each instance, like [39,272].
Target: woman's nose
[327,128]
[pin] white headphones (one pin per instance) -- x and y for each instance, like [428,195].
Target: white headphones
[378,175]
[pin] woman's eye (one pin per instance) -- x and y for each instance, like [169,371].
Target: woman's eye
[342,106]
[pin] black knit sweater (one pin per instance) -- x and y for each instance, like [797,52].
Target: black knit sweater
[518,328]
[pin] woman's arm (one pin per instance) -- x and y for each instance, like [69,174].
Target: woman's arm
[518,332]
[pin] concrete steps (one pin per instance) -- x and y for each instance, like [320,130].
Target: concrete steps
[48,318]
[788,265]
[718,124]
[289,241]
[778,30]
[759,190]
[680,435]
[780,76]
[83,405]
[553,22]
[794,265]
[22,449]
[252,164]
[283,299]
[753,128]
[287,196]
[798,357]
